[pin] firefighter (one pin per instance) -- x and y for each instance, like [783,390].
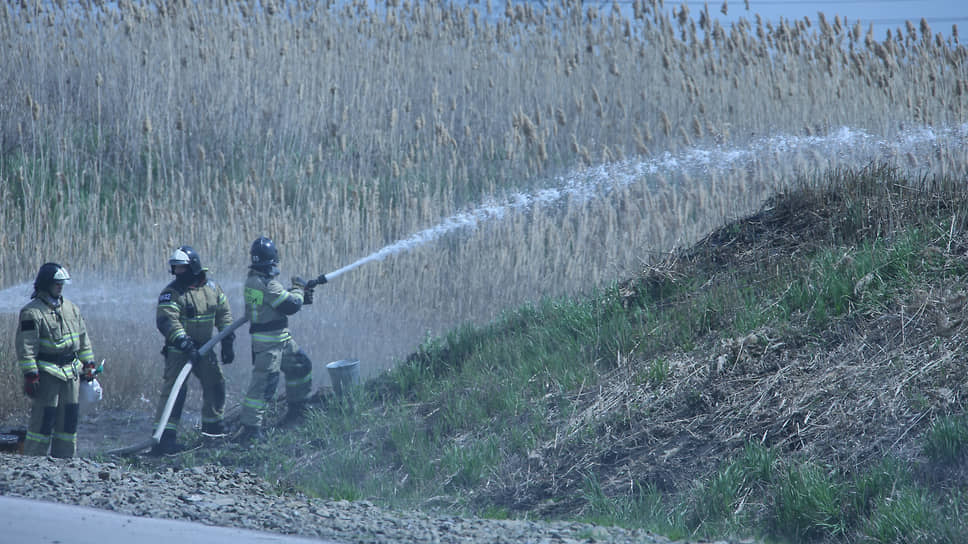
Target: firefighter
[55,353]
[268,305]
[189,308]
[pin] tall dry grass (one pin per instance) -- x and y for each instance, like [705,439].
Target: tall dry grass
[339,128]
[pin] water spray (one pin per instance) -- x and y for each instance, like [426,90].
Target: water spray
[845,144]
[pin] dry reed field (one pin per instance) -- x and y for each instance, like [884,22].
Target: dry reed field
[338,129]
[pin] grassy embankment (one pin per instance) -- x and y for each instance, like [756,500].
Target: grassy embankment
[798,375]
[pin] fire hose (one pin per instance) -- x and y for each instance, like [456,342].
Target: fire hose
[186,370]
[202,351]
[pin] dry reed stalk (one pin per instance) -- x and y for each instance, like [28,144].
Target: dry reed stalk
[295,94]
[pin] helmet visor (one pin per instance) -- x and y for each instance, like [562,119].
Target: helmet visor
[178,257]
[61,276]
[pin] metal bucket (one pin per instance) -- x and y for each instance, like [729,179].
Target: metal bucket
[12,440]
[344,375]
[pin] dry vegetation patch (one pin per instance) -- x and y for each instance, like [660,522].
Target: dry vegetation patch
[844,395]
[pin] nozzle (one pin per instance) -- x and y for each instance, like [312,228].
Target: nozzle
[318,281]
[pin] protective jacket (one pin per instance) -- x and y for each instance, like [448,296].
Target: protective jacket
[52,338]
[191,310]
[268,303]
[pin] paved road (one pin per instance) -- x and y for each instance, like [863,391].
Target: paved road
[25,521]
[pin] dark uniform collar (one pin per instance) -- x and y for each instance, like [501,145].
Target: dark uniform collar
[50,300]
[265,274]
[185,282]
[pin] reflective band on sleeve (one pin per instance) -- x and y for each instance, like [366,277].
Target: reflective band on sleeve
[282,298]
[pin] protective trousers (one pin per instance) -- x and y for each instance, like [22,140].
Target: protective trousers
[298,370]
[209,374]
[53,415]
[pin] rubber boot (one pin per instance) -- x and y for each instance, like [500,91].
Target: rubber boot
[249,434]
[167,445]
[214,429]
[295,415]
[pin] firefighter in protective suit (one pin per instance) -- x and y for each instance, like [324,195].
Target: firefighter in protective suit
[268,305]
[54,354]
[188,309]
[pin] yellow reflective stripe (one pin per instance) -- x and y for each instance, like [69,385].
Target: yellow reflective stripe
[172,305]
[66,437]
[207,318]
[171,425]
[37,437]
[68,340]
[28,365]
[249,402]
[305,379]
[282,298]
[85,355]
[266,338]
[56,370]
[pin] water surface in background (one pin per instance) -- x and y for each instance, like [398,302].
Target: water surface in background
[883,15]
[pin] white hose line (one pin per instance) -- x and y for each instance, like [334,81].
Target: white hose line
[186,370]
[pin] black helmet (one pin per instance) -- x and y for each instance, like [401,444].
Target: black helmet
[49,274]
[187,256]
[265,257]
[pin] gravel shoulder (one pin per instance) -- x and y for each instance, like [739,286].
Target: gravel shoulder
[218,496]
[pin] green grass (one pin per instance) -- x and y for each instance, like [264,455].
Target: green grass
[946,441]
[910,514]
[809,503]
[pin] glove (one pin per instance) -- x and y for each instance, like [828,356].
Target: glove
[228,349]
[31,384]
[308,297]
[186,344]
[89,371]
[298,282]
